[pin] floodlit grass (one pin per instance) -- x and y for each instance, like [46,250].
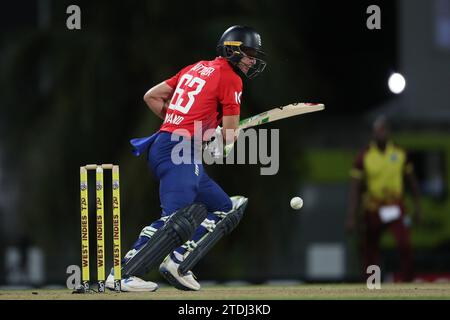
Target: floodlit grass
[253,292]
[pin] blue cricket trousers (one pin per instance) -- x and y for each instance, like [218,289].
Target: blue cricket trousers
[180,185]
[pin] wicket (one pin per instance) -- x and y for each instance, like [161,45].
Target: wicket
[99,229]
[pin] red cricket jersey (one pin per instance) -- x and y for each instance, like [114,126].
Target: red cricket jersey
[204,91]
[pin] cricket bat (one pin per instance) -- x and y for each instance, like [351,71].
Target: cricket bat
[275,114]
[290,110]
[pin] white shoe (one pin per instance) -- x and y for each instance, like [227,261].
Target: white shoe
[131,284]
[169,269]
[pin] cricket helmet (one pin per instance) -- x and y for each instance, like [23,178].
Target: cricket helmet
[240,41]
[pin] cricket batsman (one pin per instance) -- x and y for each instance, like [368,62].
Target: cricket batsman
[196,212]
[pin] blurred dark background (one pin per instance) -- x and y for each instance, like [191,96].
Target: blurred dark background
[72,97]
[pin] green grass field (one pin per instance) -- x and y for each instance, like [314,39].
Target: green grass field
[253,292]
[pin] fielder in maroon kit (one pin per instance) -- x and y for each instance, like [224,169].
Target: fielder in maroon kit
[377,186]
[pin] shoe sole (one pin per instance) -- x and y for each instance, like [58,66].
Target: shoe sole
[112,289]
[173,281]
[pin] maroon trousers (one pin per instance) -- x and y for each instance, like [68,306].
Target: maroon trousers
[374,228]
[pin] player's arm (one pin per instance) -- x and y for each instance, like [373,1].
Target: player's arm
[415,190]
[230,92]
[230,130]
[158,98]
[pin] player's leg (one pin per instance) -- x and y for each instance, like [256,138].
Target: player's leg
[169,268]
[371,240]
[146,233]
[226,223]
[180,217]
[178,271]
[135,284]
[178,229]
[177,194]
[159,239]
[218,204]
[402,236]
[223,216]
